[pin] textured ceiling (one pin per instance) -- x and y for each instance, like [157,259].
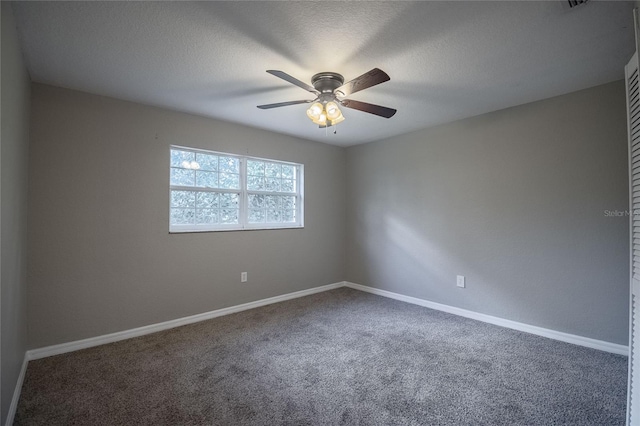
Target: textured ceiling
[447,60]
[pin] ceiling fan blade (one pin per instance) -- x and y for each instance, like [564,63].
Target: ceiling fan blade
[366,80]
[286,77]
[370,108]
[281,104]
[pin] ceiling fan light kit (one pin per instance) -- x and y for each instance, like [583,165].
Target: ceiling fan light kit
[325,115]
[330,89]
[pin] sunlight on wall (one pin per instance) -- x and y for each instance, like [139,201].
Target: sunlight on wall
[405,257]
[435,261]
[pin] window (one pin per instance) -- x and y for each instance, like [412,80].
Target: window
[213,191]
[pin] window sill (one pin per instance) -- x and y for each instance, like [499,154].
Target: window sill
[252,228]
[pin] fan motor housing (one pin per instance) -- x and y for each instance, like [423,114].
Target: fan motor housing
[327,82]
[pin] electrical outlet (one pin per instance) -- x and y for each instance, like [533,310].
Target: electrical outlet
[460,281]
[243,277]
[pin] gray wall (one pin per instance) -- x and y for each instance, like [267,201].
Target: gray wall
[514,200]
[13,208]
[101,258]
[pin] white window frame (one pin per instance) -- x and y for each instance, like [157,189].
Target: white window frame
[243,199]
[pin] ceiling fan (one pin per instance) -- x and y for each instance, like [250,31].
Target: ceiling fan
[330,89]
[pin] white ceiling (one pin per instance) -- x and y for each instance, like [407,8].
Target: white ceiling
[447,60]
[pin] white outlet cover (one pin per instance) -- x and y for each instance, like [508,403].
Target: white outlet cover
[460,281]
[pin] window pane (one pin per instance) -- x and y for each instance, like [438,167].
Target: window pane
[229,165]
[206,179]
[178,157]
[288,202]
[207,162]
[273,185]
[183,199]
[207,200]
[288,171]
[287,185]
[182,177]
[229,181]
[256,216]
[255,183]
[205,216]
[229,201]
[288,215]
[255,168]
[182,216]
[228,216]
[272,202]
[274,216]
[256,201]
[272,170]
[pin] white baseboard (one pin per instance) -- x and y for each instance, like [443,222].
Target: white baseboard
[539,331]
[153,328]
[16,393]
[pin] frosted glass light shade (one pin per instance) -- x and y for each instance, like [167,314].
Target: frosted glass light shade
[315,111]
[333,111]
[325,115]
[338,119]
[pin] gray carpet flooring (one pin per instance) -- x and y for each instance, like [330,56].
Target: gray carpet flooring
[341,357]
